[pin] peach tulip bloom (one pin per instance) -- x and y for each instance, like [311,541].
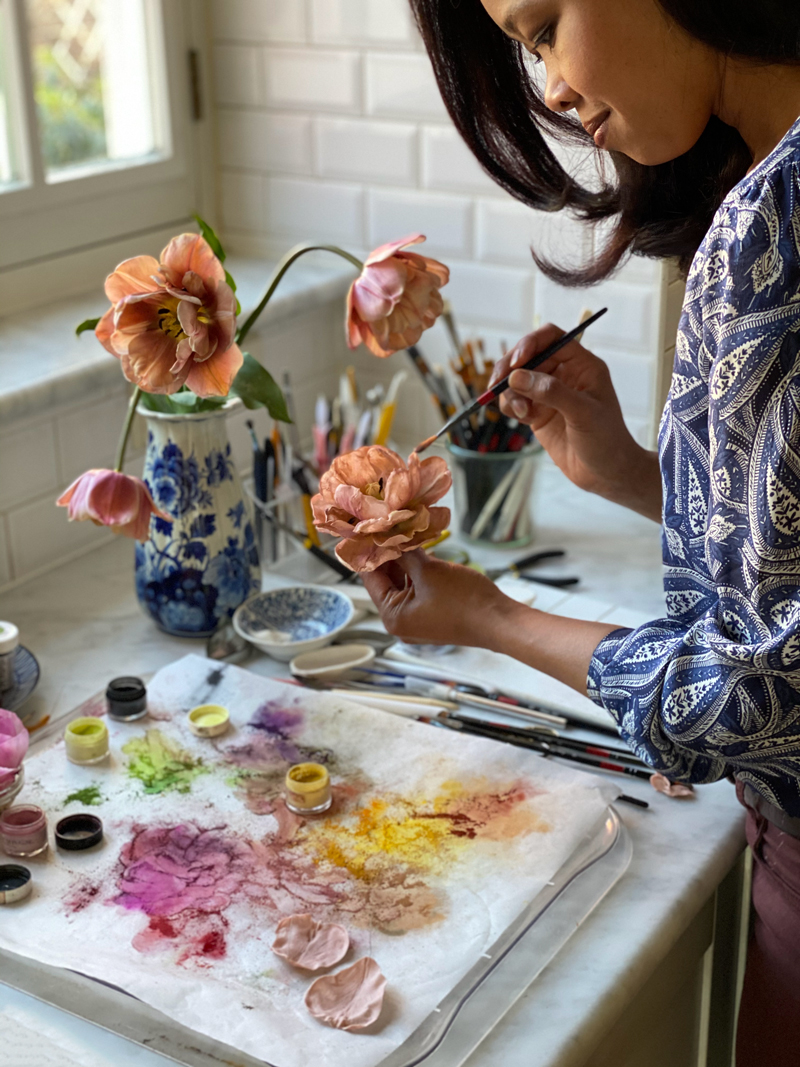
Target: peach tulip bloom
[173,322]
[109,498]
[395,298]
[379,506]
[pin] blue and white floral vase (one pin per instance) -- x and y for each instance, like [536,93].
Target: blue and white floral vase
[195,570]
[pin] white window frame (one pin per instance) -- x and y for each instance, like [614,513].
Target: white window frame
[64,234]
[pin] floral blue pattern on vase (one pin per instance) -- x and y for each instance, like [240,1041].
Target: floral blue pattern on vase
[198,568]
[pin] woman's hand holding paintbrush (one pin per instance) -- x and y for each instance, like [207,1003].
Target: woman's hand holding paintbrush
[570,404]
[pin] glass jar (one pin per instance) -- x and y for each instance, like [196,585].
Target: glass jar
[308,789]
[86,740]
[492,492]
[10,785]
[23,831]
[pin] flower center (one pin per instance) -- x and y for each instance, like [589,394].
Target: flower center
[374,489]
[168,319]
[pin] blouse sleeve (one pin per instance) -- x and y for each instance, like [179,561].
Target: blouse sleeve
[715,687]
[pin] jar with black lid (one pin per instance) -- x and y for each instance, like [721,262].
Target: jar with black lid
[127,699]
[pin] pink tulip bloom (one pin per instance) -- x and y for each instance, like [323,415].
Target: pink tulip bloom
[395,298]
[112,499]
[379,506]
[173,323]
[13,745]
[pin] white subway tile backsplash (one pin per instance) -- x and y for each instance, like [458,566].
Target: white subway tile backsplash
[631,322]
[634,381]
[402,86]
[259,140]
[259,20]
[362,22]
[27,463]
[322,80]
[314,210]
[507,230]
[366,151]
[447,163]
[446,221]
[88,436]
[242,201]
[5,562]
[40,533]
[236,78]
[496,296]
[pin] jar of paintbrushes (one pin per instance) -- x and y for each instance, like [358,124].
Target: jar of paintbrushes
[492,493]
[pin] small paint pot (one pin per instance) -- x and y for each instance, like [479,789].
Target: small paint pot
[332,662]
[23,831]
[74,833]
[307,789]
[15,883]
[86,740]
[209,720]
[127,699]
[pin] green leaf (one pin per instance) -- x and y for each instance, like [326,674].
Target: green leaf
[257,388]
[87,324]
[211,237]
[184,402]
[159,402]
[232,284]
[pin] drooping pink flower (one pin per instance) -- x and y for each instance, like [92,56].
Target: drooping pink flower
[13,745]
[379,506]
[173,322]
[395,298]
[112,499]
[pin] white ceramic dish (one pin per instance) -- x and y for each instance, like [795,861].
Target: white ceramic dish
[299,618]
[332,662]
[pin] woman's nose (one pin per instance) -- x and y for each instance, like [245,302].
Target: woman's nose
[558,96]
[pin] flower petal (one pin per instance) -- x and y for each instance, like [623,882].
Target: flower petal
[191,251]
[132,276]
[383,252]
[215,376]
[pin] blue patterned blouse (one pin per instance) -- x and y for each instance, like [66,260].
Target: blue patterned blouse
[714,688]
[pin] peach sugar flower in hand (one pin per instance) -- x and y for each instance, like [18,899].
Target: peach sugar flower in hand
[395,298]
[380,507]
[173,323]
[109,498]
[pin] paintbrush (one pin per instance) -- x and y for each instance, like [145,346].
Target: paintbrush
[501,386]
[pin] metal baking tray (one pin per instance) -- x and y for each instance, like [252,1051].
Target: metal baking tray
[445,1038]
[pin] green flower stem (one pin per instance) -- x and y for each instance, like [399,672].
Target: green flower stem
[126,429]
[280,270]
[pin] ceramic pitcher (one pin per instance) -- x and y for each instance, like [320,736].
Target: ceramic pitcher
[196,569]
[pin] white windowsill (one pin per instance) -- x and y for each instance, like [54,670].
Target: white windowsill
[43,363]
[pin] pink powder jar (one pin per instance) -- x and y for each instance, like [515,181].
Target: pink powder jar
[23,830]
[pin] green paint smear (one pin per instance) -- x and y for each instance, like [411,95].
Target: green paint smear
[89,796]
[161,764]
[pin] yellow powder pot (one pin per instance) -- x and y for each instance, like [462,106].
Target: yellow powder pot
[209,720]
[86,740]
[308,789]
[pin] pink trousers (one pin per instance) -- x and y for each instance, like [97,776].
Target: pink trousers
[769,1015]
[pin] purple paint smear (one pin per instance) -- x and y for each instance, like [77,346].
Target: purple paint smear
[283,722]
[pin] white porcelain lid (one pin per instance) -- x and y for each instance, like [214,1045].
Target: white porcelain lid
[9,637]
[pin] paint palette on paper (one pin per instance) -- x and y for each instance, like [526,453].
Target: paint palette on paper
[434,843]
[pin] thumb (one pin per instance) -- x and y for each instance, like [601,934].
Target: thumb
[378,584]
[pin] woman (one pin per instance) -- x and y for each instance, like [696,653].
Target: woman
[696,103]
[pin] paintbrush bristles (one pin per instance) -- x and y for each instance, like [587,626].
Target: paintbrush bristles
[425,444]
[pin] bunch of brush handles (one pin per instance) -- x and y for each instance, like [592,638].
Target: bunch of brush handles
[493,493]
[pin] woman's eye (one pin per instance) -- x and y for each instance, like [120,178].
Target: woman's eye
[545,38]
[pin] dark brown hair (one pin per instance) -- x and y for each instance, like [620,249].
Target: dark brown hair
[659,211]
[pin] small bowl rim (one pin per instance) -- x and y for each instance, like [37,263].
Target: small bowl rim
[242,632]
[366,657]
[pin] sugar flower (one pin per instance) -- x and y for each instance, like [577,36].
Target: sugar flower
[662,784]
[112,499]
[172,322]
[352,999]
[13,745]
[380,507]
[395,298]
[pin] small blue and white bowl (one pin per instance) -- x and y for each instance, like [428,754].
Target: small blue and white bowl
[285,622]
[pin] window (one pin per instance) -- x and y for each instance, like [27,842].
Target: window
[100,140]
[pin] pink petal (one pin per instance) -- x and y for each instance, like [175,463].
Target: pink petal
[215,376]
[349,1000]
[306,943]
[378,289]
[14,741]
[192,252]
[387,250]
[434,478]
[131,276]
[360,506]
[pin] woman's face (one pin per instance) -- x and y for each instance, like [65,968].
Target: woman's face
[639,83]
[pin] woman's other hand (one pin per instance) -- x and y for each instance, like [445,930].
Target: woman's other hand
[570,404]
[427,601]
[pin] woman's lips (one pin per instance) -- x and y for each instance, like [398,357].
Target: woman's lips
[597,128]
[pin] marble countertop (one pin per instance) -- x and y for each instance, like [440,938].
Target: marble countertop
[83,623]
[43,363]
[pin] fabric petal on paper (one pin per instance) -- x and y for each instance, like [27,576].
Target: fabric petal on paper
[306,943]
[351,999]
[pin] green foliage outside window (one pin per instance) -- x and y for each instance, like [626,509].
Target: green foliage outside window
[71,119]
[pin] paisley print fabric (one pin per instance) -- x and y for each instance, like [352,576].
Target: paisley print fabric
[714,688]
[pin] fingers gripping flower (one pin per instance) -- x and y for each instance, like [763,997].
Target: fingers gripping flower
[395,298]
[173,322]
[112,499]
[380,507]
